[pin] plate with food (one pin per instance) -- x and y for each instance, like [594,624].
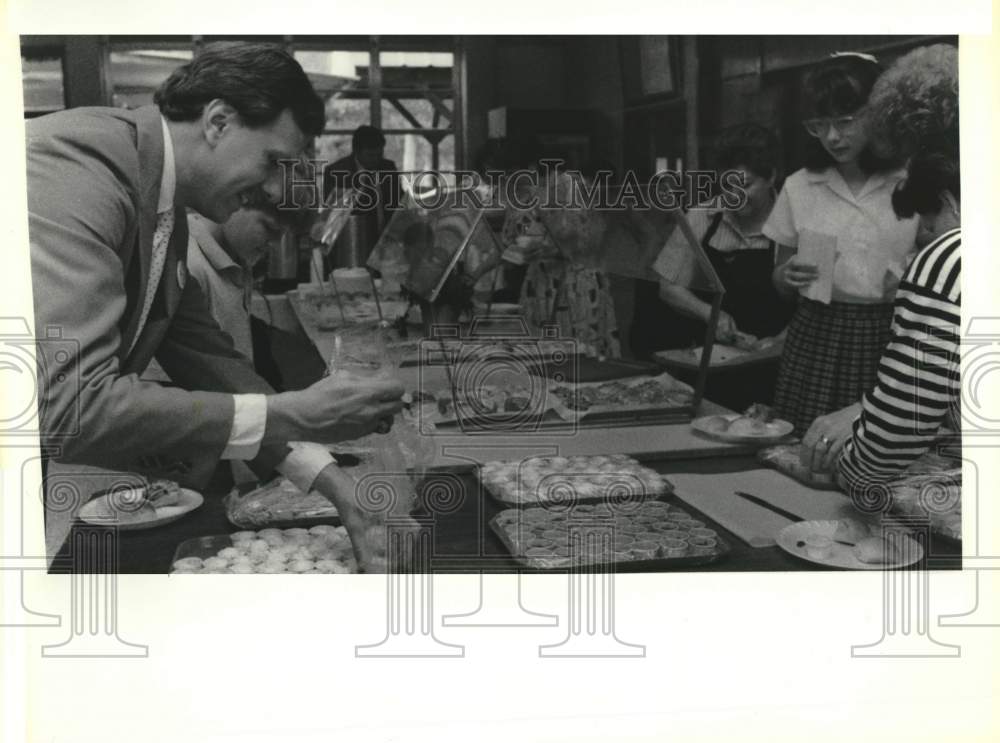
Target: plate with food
[135,507]
[755,426]
[850,544]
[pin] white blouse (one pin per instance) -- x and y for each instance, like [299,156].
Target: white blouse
[874,247]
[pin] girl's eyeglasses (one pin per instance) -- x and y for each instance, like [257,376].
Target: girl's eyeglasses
[818,127]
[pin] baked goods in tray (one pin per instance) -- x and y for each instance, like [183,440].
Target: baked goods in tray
[577,479]
[632,393]
[277,502]
[493,404]
[602,534]
[321,549]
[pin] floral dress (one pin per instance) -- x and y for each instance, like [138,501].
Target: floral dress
[585,309]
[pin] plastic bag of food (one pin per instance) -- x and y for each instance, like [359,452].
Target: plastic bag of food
[785,458]
[936,496]
[278,502]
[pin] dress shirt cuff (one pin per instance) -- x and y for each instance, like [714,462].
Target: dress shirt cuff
[304,463]
[249,420]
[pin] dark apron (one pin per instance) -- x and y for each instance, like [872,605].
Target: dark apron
[750,297]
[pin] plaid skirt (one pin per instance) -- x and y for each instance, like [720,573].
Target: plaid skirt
[830,358]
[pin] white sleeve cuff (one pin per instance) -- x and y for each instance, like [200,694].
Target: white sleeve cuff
[304,463]
[249,420]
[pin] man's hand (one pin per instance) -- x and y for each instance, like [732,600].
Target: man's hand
[826,437]
[340,407]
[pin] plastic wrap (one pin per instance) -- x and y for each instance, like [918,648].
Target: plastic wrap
[577,479]
[279,503]
[653,535]
[785,458]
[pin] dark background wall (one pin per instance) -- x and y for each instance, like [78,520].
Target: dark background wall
[740,78]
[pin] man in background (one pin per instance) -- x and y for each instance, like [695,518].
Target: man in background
[373,179]
[221,258]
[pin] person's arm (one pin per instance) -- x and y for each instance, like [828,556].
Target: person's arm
[918,375]
[196,353]
[684,301]
[789,274]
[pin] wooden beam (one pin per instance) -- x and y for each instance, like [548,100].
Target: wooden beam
[690,44]
[85,69]
[404,112]
[436,101]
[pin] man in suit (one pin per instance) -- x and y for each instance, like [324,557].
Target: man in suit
[107,192]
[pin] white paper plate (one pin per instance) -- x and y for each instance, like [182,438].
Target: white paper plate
[842,556]
[96,511]
[777,430]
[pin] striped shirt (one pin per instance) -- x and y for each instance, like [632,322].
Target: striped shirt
[918,386]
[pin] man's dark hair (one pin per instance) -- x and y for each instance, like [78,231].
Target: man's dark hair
[366,136]
[258,80]
[750,145]
[839,87]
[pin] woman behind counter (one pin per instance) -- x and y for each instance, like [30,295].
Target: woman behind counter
[841,202]
[739,252]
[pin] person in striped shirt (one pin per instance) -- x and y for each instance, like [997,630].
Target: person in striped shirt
[918,387]
[917,392]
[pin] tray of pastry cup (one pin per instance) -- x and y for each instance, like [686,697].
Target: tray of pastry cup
[575,479]
[645,535]
[320,549]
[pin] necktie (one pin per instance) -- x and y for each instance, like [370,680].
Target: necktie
[161,239]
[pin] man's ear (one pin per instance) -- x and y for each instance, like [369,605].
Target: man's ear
[217,118]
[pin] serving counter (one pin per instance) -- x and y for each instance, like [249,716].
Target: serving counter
[461,536]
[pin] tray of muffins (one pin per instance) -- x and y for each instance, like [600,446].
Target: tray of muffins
[646,535]
[583,479]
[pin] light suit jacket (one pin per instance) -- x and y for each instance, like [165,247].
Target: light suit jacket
[93,185]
